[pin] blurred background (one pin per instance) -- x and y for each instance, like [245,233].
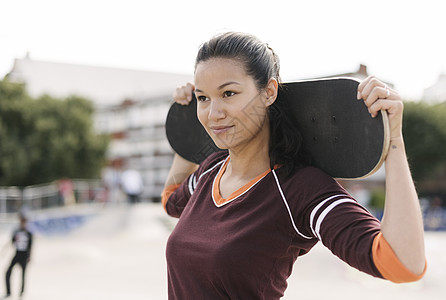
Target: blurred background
[85,87]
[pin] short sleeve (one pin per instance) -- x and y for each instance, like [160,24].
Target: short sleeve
[348,229]
[335,218]
[389,265]
[167,192]
[176,197]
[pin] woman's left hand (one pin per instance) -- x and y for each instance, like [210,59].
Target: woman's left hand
[377,96]
[402,222]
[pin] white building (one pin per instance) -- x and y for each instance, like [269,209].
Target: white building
[131,106]
[436,93]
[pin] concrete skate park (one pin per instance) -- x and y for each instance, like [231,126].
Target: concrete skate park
[116,252]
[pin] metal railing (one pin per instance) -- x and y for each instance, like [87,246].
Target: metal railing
[49,195]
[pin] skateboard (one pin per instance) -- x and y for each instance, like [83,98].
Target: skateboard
[338,132]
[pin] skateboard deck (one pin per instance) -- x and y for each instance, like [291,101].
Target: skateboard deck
[338,132]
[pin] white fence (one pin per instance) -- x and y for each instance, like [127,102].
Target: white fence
[49,195]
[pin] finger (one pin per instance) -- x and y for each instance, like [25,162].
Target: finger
[180,95]
[395,113]
[177,93]
[183,96]
[391,106]
[189,91]
[367,87]
[377,93]
[362,84]
[375,109]
[377,106]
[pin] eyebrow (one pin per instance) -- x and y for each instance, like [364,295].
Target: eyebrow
[221,86]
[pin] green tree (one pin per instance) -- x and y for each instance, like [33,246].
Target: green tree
[424,129]
[45,139]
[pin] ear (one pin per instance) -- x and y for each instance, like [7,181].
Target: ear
[271,91]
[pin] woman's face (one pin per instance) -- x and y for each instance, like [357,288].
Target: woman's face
[230,106]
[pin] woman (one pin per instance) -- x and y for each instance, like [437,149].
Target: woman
[247,213]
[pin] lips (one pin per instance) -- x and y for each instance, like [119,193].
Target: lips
[220,129]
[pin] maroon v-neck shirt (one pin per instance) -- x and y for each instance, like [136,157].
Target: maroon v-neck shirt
[245,248]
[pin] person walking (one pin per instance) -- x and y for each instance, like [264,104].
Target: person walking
[22,239]
[132,185]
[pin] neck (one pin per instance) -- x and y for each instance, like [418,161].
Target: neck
[250,160]
[248,167]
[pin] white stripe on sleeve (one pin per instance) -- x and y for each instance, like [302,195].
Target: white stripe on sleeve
[316,209]
[192,183]
[322,216]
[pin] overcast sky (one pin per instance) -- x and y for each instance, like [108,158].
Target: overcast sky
[403,42]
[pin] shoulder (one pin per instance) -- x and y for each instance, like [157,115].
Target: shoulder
[310,184]
[207,169]
[212,161]
[310,176]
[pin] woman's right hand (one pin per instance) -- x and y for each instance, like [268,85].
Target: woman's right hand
[183,94]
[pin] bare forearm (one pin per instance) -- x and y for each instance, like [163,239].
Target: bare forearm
[179,170]
[402,224]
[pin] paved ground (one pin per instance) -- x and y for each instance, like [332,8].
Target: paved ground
[119,254]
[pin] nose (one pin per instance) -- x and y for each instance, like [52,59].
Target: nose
[216,110]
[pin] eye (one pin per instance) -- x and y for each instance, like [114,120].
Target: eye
[202,98]
[227,94]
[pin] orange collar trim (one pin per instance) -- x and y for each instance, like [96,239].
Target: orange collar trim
[216,195]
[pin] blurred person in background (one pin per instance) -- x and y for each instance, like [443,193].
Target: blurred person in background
[66,191]
[132,185]
[22,240]
[111,178]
